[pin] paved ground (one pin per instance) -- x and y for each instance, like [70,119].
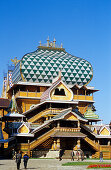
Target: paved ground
[42,164]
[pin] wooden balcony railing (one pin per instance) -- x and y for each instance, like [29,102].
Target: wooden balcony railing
[67,129]
[28,94]
[83,97]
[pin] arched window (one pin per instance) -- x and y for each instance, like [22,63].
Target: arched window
[60,92]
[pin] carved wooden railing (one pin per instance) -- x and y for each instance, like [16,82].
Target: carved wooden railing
[96,146]
[28,94]
[38,116]
[83,97]
[67,129]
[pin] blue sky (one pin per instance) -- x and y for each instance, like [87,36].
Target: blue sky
[83,26]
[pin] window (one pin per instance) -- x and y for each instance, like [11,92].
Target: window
[60,92]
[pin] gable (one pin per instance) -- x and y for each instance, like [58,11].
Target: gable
[23,129]
[70,116]
[104,131]
[61,92]
[95,131]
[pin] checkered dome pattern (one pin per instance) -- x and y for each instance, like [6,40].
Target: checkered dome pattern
[43,65]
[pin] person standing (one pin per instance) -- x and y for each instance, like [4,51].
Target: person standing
[82,155]
[60,154]
[13,154]
[72,155]
[101,156]
[25,159]
[18,160]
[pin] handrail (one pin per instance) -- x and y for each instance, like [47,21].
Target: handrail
[37,116]
[95,145]
[41,139]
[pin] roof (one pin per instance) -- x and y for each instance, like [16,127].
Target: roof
[60,115]
[56,82]
[14,115]
[67,111]
[89,114]
[49,101]
[43,65]
[4,103]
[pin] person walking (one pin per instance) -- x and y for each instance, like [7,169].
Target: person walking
[101,157]
[18,160]
[72,155]
[25,160]
[60,154]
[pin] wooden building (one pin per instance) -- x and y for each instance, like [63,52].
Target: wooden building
[52,107]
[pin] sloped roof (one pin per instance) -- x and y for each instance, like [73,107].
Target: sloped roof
[89,114]
[67,111]
[4,103]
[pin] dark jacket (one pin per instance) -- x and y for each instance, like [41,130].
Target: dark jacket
[25,158]
[72,153]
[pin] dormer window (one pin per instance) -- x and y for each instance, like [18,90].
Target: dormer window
[60,92]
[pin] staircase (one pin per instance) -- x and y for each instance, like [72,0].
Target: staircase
[41,139]
[95,146]
[47,111]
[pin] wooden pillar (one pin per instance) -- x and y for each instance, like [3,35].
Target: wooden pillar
[55,145]
[46,118]
[27,93]
[29,148]
[58,124]
[109,143]
[85,94]
[78,124]
[77,94]
[58,143]
[19,92]
[78,144]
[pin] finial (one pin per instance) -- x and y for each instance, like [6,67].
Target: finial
[61,45]
[54,41]
[15,61]
[48,41]
[40,43]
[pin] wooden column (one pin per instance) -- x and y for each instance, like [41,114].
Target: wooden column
[77,94]
[58,143]
[78,144]
[109,143]
[78,124]
[58,124]
[27,93]
[55,145]
[85,94]
[29,148]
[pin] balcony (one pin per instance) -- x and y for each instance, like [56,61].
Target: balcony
[28,94]
[83,97]
[67,129]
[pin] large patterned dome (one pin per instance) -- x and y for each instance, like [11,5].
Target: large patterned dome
[44,64]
